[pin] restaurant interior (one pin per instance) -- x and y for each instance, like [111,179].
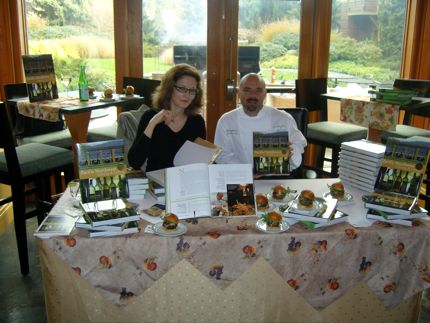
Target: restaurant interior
[23,293]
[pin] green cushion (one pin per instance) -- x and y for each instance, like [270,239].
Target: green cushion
[103,133]
[61,138]
[404,131]
[334,132]
[35,158]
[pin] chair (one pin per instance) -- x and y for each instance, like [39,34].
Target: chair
[20,166]
[31,130]
[301,117]
[324,134]
[142,86]
[405,130]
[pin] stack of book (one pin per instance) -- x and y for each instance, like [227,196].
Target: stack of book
[359,163]
[323,213]
[398,183]
[108,218]
[392,96]
[157,185]
[138,184]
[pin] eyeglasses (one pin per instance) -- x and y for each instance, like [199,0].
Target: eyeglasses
[182,89]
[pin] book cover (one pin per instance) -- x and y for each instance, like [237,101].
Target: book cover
[417,213]
[40,77]
[400,176]
[81,223]
[55,225]
[129,227]
[200,190]
[109,212]
[406,222]
[104,188]
[270,153]
[101,159]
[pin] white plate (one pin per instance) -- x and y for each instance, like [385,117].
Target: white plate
[129,97]
[107,99]
[262,226]
[346,197]
[297,208]
[289,197]
[158,229]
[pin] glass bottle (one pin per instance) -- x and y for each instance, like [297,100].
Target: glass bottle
[99,190]
[106,193]
[83,85]
[113,189]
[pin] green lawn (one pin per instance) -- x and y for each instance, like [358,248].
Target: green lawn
[151,64]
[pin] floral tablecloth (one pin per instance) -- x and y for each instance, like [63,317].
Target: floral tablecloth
[321,265]
[380,116]
[48,110]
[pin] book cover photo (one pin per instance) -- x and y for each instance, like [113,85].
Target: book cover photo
[270,152]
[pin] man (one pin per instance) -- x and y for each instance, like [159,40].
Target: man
[234,131]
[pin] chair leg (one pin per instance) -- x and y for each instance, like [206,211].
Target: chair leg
[20,226]
[334,162]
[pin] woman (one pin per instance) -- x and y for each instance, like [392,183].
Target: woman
[175,119]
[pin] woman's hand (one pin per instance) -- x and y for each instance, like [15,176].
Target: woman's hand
[162,116]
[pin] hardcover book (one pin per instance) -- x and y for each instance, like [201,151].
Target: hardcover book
[400,176]
[364,147]
[128,228]
[55,225]
[109,212]
[270,151]
[384,217]
[40,77]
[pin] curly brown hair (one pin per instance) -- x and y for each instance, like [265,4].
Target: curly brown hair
[163,93]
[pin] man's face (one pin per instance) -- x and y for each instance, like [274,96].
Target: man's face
[252,94]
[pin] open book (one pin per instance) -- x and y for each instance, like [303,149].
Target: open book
[199,151]
[399,179]
[201,190]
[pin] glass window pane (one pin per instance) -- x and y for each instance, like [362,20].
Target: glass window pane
[74,32]
[269,33]
[366,41]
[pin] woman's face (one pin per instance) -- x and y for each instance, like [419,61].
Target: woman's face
[184,92]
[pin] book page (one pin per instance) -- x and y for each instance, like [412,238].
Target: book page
[191,153]
[187,191]
[222,175]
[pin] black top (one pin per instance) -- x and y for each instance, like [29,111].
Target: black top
[160,150]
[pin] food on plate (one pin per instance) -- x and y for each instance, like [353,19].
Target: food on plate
[262,201]
[337,190]
[129,90]
[273,219]
[306,198]
[108,93]
[279,192]
[170,221]
[90,91]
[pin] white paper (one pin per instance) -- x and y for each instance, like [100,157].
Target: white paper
[191,153]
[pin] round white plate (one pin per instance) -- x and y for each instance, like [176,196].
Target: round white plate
[289,197]
[262,226]
[346,197]
[159,230]
[107,99]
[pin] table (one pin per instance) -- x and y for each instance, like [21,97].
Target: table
[337,273]
[77,114]
[374,133]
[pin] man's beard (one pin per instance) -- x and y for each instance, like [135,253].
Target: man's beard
[252,105]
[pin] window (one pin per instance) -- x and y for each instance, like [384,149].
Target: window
[74,32]
[366,41]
